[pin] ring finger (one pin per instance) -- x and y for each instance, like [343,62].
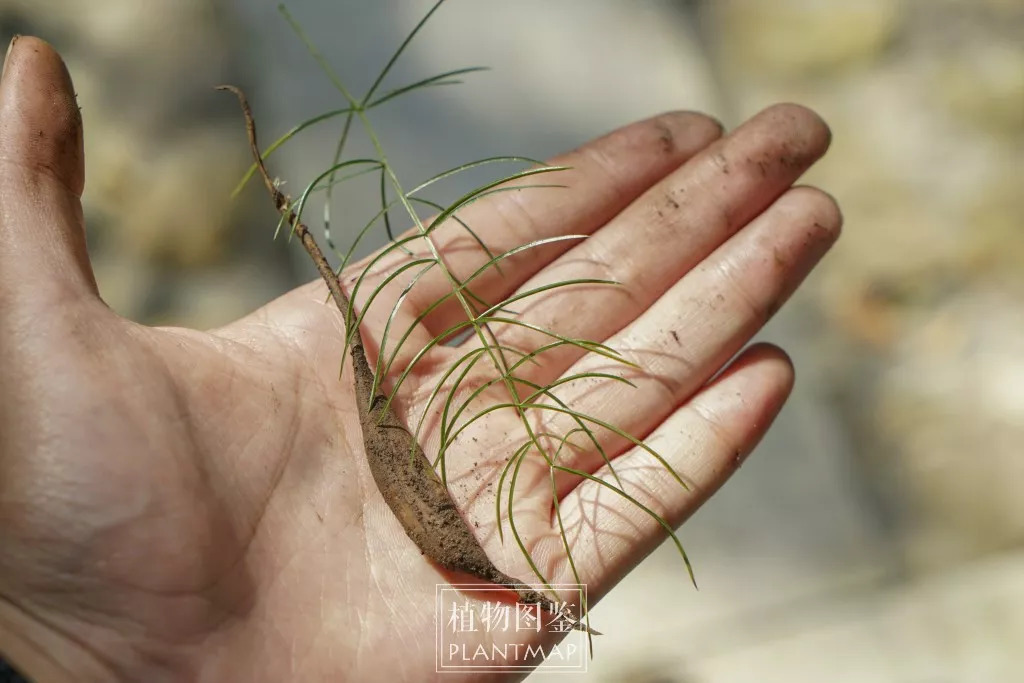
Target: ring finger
[697,325]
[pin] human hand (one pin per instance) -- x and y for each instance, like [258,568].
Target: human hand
[184,505]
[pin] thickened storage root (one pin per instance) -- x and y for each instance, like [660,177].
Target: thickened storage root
[420,499]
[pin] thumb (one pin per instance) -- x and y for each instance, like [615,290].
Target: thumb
[43,259]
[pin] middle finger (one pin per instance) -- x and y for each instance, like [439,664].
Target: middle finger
[664,234]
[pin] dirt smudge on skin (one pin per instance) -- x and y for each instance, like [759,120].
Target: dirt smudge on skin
[666,138]
[722,162]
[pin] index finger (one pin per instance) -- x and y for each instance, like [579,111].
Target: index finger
[604,176]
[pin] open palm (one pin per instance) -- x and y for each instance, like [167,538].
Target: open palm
[184,505]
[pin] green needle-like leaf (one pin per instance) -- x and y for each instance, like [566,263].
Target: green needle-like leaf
[651,513]
[440,79]
[401,48]
[471,165]
[283,139]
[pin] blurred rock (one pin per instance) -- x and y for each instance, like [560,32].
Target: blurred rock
[995,217]
[796,38]
[163,149]
[964,626]
[920,301]
[1008,9]
[212,297]
[166,201]
[126,284]
[951,403]
[984,86]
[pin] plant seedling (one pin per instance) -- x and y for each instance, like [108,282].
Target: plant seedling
[414,486]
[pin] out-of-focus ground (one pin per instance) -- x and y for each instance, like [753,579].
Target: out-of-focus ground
[878,533]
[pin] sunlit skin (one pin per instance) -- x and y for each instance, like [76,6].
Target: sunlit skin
[187,505]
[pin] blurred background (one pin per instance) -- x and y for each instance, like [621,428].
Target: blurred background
[878,532]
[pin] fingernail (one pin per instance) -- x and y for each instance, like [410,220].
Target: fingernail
[8,54]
